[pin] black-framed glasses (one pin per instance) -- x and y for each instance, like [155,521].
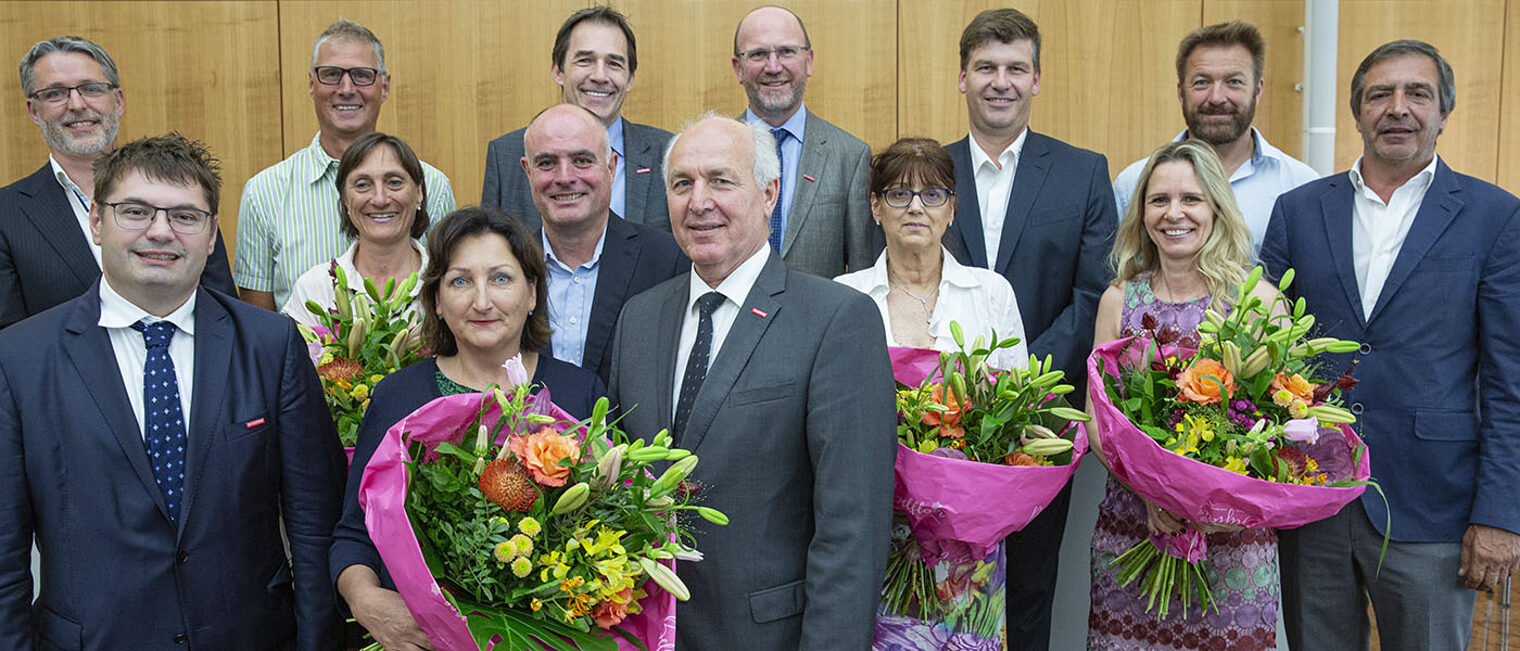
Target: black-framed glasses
[932,197]
[333,75]
[60,94]
[785,54]
[137,216]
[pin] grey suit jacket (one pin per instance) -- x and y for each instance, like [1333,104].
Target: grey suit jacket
[45,259]
[830,230]
[795,427]
[506,186]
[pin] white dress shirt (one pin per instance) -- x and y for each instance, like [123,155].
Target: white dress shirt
[981,300]
[117,315]
[1378,229]
[79,200]
[735,288]
[994,184]
[317,285]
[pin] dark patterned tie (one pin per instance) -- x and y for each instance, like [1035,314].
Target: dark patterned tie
[163,418]
[776,226]
[696,363]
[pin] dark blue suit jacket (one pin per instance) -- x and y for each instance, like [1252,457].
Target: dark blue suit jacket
[44,256]
[634,258]
[1055,242]
[116,572]
[1439,398]
[572,388]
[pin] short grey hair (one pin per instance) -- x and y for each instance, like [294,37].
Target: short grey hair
[1447,92]
[347,30]
[765,163]
[65,44]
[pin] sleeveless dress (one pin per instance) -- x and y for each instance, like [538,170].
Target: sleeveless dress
[1242,565]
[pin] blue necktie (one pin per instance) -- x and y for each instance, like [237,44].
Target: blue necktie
[696,363]
[163,418]
[776,226]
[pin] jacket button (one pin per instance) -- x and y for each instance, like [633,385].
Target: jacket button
[1365,348]
[1356,407]
[181,556]
[181,638]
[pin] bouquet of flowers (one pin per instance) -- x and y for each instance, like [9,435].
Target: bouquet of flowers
[1246,430]
[368,336]
[507,526]
[967,432]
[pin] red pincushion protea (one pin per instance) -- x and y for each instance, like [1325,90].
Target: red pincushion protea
[506,483]
[340,368]
[1290,459]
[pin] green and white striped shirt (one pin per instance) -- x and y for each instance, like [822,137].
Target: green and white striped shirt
[288,219]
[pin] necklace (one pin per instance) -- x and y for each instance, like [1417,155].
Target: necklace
[923,301]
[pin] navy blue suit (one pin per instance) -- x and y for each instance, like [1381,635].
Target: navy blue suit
[1053,249]
[1439,398]
[574,389]
[634,258]
[117,572]
[44,256]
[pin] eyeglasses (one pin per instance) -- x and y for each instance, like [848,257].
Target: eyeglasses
[333,75]
[134,216]
[60,94]
[787,54]
[901,197]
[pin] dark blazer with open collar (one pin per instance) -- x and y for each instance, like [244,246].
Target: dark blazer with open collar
[44,256]
[634,258]
[1438,401]
[116,572]
[795,427]
[1055,242]
[506,186]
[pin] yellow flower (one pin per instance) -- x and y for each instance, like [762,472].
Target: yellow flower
[523,544]
[521,567]
[505,552]
[376,378]
[536,605]
[529,526]
[1235,464]
[360,391]
[1297,409]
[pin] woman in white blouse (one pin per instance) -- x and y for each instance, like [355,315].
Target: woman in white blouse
[917,285]
[381,203]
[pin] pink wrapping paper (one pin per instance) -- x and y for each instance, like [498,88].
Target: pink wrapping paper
[957,506]
[382,495]
[1198,491]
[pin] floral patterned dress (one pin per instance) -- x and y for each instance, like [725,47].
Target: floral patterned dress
[1242,566]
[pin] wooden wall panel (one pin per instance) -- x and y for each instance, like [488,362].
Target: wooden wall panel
[461,74]
[1471,39]
[1107,79]
[1280,114]
[1509,103]
[217,82]
[686,49]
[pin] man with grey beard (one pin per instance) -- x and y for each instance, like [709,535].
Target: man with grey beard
[1219,82]
[74,95]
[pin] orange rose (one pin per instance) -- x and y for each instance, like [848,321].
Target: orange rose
[1201,382]
[541,453]
[1297,386]
[949,421]
[610,612]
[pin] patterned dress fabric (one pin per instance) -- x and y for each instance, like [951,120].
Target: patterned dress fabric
[1242,566]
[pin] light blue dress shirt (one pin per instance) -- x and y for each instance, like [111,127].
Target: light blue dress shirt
[619,191]
[791,154]
[571,293]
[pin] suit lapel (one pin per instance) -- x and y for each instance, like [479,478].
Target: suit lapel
[47,207]
[213,357]
[1335,209]
[620,255]
[667,338]
[814,159]
[89,347]
[1028,177]
[1436,213]
[635,186]
[964,236]
[745,334]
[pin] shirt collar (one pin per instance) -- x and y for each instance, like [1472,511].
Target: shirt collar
[118,312]
[550,258]
[313,162]
[736,286]
[795,125]
[951,272]
[615,136]
[1421,178]
[1260,148]
[63,178]
[356,281]
[1011,154]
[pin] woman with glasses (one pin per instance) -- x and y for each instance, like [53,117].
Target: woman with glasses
[917,285]
[382,201]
